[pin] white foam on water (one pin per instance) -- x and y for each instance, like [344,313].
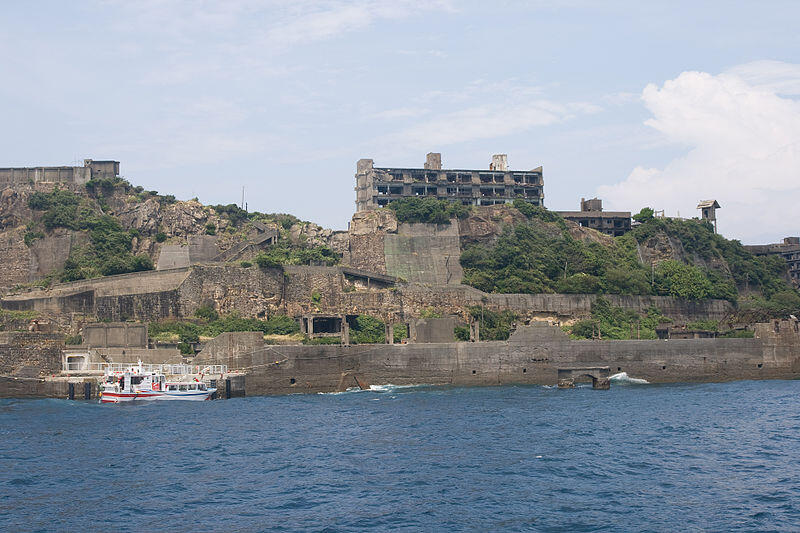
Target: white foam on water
[375,388]
[622,378]
[389,387]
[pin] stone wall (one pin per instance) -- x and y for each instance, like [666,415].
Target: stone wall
[299,290]
[16,264]
[424,253]
[120,334]
[249,291]
[29,355]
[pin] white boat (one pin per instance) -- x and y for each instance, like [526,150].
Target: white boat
[135,383]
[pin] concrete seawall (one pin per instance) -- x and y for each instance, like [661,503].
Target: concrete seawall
[532,356]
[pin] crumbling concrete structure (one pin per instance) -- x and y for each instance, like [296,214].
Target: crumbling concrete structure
[10,177]
[592,216]
[377,186]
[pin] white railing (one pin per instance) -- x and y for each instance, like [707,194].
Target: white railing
[167,370]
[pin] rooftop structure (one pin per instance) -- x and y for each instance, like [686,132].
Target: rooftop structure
[77,175]
[789,250]
[591,215]
[708,211]
[377,186]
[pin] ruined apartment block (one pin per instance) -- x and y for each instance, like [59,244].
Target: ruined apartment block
[789,250]
[591,215]
[377,186]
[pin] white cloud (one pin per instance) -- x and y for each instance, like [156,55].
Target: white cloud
[223,39]
[743,142]
[462,115]
[776,76]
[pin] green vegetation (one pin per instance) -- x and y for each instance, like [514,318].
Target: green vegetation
[428,210]
[461,333]
[245,264]
[109,249]
[238,216]
[32,236]
[540,256]
[284,254]
[367,330]
[493,326]
[213,324]
[704,325]
[211,229]
[538,212]
[161,236]
[400,333]
[609,322]
[73,340]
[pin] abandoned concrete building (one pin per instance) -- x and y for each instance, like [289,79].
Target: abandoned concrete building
[77,175]
[789,250]
[377,186]
[592,216]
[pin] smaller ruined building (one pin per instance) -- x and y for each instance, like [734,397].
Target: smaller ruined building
[708,212]
[378,186]
[789,250]
[592,216]
[10,177]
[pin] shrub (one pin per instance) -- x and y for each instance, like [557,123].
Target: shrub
[536,211]
[73,340]
[31,237]
[461,333]
[283,254]
[400,332]
[245,264]
[367,330]
[427,210]
[207,312]
[232,212]
[211,229]
[493,326]
[161,236]
[645,215]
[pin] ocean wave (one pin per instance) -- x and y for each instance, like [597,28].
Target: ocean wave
[622,378]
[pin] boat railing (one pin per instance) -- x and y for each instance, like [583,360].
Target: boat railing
[167,369]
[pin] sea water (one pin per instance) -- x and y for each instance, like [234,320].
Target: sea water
[684,457]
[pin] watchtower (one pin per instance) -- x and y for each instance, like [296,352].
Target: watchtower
[708,211]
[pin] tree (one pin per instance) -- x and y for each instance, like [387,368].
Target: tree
[645,215]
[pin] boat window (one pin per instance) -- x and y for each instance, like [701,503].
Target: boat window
[192,387]
[173,387]
[135,380]
[182,387]
[202,386]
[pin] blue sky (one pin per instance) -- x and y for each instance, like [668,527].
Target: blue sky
[642,103]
